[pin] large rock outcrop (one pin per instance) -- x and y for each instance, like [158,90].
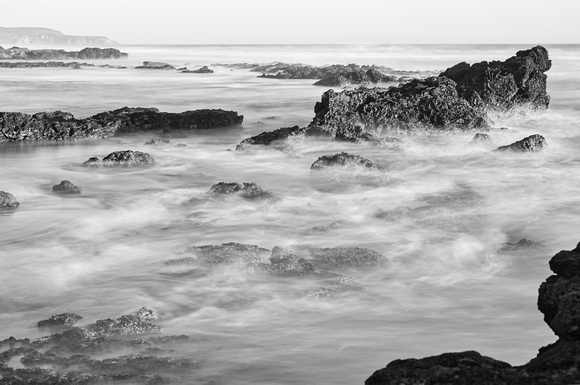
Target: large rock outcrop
[520,80]
[63,126]
[89,53]
[555,364]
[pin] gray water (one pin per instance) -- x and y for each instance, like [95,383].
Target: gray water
[447,286]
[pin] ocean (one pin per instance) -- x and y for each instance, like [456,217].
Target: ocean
[448,285]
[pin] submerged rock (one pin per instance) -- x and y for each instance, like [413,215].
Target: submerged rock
[60,320]
[7,201]
[127,158]
[66,187]
[522,244]
[343,160]
[532,143]
[155,65]
[481,138]
[156,141]
[333,257]
[250,191]
[224,254]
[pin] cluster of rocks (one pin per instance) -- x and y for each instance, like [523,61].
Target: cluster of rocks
[201,70]
[154,65]
[68,357]
[555,364]
[17,53]
[63,126]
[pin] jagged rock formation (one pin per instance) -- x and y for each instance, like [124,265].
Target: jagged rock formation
[125,158]
[343,159]
[17,53]
[7,201]
[278,136]
[202,70]
[60,320]
[481,138]
[250,191]
[532,143]
[555,364]
[155,65]
[61,126]
[47,36]
[520,80]
[369,77]
[66,187]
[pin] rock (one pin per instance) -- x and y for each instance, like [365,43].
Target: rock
[333,257]
[155,65]
[250,191]
[202,70]
[522,244]
[48,64]
[532,143]
[343,160]
[371,76]
[156,142]
[100,53]
[66,187]
[125,325]
[322,228]
[271,137]
[224,254]
[59,54]
[146,314]
[60,320]
[431,103]
[520,80]
[7,201]
[284,263]
[125,158]
[481,138]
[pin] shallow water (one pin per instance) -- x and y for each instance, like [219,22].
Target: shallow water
[447,287]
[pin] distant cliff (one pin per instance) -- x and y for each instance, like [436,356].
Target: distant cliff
[47,36]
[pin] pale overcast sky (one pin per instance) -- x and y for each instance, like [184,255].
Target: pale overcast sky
[303,21]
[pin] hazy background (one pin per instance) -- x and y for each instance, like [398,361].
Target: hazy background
[303,21]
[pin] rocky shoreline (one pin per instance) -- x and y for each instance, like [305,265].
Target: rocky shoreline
[92,53]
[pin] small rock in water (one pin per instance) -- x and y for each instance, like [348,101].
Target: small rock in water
[66,187]
[156,141]
[481,138]
[250,191]
[533,143]
[60,320]
[522,244]
[7,201]
[125,158]
[155,65]
[343,159]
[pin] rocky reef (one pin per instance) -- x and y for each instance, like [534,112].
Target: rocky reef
[89,53]
[62,126]
[555,364]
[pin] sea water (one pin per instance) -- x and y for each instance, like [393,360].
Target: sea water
[447,285]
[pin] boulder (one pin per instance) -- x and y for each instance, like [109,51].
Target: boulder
[250,191]
[7,201]
[343,160]
[66,187]
[517,81]
[60,320]
[532,143]
[155,65]
[127,158]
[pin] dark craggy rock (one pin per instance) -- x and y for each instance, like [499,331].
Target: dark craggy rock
[279,136]
[343,160]
[555,364]
[481,138]
[369,77]
[17,53]
[250,191]
[7,201]
[127,158]
[155,65]
[66,187]
[133,119]
[518,81]
[532,143]
[60,320]
[202,70]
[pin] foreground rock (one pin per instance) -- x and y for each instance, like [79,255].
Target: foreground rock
[555,364]
[533,143]
[127,158]
[17,53]
[518,81]
[250,191]
[7,201]
[66,187]
[343,160]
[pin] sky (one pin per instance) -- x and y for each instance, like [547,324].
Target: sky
[304,21]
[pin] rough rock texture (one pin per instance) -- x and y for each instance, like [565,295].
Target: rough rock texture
[60,320]
[7,201]
[155,65]
[431,103]
[520,80]
[369,77]
[532,143]
[66,187]
[127,158]
[202,70]
[52,126]
[344,160]
[555,364]
[250,191]
[481,138]
[138,118]
[18,53]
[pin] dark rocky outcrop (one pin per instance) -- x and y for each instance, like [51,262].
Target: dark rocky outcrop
[480,138]
[532,143]
[202,70]
[126,158]
[250,191]
[278,137]
[60,320]
[518,81]
[343,160]
[155,65]
[7,201]
[369,77]
[17,53]
[66,187]
[555,364]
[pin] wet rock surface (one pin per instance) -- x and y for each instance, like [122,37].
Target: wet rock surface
[532,143]
[127,158]
[555,364]
[250,191]
[66,187]
[8,201]
[343,160]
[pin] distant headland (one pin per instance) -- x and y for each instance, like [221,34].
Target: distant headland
[47,36]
